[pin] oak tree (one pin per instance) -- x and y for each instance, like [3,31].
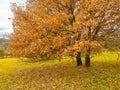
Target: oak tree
[53,28]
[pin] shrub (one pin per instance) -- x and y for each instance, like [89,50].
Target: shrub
[1,52]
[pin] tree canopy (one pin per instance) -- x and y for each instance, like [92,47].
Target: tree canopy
[53,28]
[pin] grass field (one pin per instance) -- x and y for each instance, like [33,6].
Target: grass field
[103,74]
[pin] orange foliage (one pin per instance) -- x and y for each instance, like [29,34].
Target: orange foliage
[47,28]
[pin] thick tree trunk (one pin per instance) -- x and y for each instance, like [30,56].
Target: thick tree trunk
[87,55]
[87,58]
[87,61]
[78,59]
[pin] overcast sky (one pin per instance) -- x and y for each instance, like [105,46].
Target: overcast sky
[5,13]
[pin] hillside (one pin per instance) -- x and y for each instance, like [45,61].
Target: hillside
[3,40]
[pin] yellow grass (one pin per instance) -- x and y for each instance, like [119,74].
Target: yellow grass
[103,74]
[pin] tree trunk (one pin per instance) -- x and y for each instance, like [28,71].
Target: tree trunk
[87,61]
[87,58]
[78,59]
[59,59]
[87,55]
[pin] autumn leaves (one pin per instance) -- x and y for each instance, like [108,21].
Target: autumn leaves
[55,28]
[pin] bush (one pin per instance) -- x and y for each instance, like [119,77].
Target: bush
[1,52]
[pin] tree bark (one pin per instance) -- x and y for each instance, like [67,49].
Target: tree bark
[88,49]
[87,58]
[78,59]
[87,61]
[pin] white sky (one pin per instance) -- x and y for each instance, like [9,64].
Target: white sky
[5,13]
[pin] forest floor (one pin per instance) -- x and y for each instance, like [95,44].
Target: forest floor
[104,74]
